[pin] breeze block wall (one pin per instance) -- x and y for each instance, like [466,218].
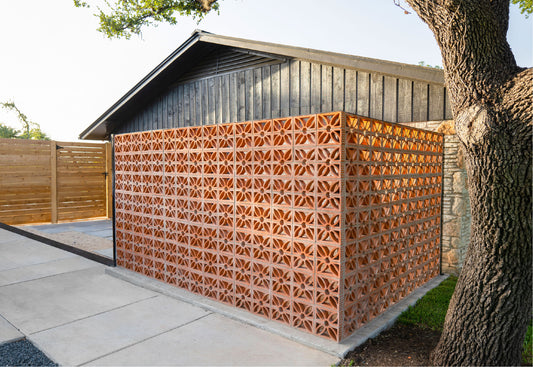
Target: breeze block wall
[320,222]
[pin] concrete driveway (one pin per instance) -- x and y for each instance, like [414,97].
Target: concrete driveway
[78,315]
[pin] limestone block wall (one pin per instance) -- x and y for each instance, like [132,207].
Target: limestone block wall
[456,214]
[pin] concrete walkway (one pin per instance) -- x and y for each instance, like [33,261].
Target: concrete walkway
[78,315]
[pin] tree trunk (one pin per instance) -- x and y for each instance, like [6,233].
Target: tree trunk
[491,306]
[492,101]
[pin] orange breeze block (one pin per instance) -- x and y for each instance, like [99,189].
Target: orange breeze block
[320,222]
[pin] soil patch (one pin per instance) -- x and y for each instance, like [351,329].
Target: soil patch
[401,345]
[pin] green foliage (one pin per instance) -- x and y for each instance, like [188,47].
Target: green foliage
[80,4]
[527,354]
[430,311]
[422,63]
[127,17]
[526,6]
[124,18]
[7,132]
[37,134]
[30,129]
[23,119]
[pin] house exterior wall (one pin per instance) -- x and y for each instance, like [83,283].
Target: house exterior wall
[319,221]
[288,88]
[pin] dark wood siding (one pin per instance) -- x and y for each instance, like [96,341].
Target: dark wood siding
[276,88]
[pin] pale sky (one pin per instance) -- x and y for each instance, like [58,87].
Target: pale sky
[64,74]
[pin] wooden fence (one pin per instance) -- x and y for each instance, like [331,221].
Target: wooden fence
[49,181]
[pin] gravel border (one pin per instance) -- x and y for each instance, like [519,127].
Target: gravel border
[76,239]
[23,353]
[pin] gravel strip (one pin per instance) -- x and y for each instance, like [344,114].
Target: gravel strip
[80,240]
[23,353]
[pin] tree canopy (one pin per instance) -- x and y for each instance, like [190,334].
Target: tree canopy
[8,132]
[127,17]
[30,129]
[124,18]
[526,6]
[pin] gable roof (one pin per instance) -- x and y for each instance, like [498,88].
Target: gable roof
[201,43]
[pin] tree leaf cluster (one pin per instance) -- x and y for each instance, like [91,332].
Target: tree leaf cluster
[526,6]
[423,63]
[30,129]
[123,18]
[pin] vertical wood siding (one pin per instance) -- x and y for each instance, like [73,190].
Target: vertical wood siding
[289,88]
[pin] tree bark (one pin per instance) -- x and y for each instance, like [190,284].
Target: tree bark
[492,102]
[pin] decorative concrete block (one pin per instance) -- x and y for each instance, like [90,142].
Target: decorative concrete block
[320,221]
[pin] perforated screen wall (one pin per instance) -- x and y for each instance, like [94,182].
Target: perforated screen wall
[320,221]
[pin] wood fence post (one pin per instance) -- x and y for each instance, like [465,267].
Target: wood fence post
[109,178]
[53,181]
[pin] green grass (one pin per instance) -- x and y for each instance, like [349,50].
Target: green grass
[429,313]
[527,354]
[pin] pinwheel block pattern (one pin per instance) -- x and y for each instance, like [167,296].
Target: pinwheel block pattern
[320,222]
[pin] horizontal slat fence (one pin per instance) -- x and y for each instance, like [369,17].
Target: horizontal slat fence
[49,181]
[25,181]
[81,180]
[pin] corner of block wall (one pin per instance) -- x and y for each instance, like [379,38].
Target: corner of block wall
[253,214]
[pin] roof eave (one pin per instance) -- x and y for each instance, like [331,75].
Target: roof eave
[98,130]
[392,68]
[89,133]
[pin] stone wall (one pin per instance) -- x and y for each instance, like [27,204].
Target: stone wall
[456,202]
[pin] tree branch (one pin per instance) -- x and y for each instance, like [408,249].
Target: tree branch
[126,17]
[472,37]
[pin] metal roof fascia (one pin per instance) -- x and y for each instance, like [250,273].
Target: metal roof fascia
[356,62]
